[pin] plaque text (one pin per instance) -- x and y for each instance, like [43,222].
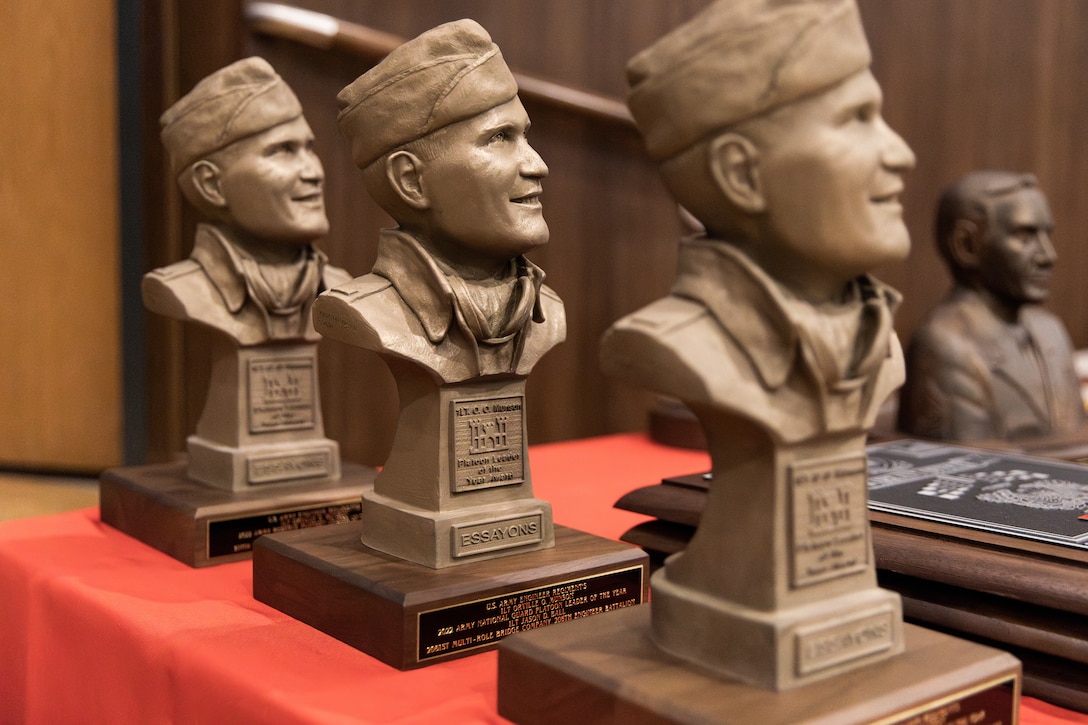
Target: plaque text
[481,623]
[825,646]
[829,519]
[236,535]
[281,394]
[267,469]
[488,443]
[993,704]
[480,537]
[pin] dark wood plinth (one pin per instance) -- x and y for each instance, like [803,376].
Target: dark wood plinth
[1027,597]
[202,526]
[1032,605]
[609,671]
[408,615]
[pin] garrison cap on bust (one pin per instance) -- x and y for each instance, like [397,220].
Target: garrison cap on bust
[736,60]
[244,98]
[447,74]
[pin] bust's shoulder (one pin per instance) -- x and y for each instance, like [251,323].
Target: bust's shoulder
[672,345]
[954,326]
[359,290]
[1039,317]
[178,272]
[663,321]
[555,312]
[175,289]
[363,311]
[334,276]
[549,294]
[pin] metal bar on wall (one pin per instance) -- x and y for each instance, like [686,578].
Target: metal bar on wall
[325,32]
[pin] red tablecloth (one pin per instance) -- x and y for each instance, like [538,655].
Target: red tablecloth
[97,627]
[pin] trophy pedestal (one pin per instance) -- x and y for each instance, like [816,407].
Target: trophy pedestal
[457,486]
[198,525]
[256,465]
[408,615]
[783,649]
[610,671]
[262,419]
[439,539]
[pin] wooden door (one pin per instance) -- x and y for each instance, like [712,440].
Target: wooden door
[969,84]
[60,379]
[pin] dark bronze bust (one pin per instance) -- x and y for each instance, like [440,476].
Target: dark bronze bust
[989,361]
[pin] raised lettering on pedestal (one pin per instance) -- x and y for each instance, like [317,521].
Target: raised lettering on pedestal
[488,443]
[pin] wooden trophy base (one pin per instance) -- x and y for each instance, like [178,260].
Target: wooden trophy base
[202,526]
[409,616]
[609,671]
[945,574]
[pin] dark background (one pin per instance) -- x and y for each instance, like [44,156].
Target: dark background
[969,84]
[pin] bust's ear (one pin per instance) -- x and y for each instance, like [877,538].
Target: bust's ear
[206,178]
[734,164]
[965,244]
[404,170]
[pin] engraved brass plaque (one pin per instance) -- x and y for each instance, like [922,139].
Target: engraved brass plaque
[991,703]
[281,394]
[829,517]
[235,535]
[487,442]
[480,623]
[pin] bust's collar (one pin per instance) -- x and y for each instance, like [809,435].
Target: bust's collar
[422,284]
[220,260]
[749,304]
[744,301]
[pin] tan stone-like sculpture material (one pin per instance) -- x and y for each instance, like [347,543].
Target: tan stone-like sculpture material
[766,122]
[242,153]
[989,361]
[452,305]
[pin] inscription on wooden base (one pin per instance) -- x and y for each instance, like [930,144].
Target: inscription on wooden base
[203,526]
[408,615]
[609,671]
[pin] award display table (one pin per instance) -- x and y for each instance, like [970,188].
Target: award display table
[985,544]
[99,627]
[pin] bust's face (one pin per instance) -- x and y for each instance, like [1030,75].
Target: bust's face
[273,185]
[484,187]
[1017,257]
[832,171]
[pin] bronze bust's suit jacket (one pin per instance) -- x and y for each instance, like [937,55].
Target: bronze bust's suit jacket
[724,339]
[967,377]
[406,309]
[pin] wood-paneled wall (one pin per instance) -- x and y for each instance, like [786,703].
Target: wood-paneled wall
[969,84]
[60,337]
[987,84]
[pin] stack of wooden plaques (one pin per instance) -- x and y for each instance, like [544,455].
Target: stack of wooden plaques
[987,545]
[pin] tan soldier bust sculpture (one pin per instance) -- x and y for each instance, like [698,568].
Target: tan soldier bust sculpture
[766,123]
[242,153]
[452,306]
